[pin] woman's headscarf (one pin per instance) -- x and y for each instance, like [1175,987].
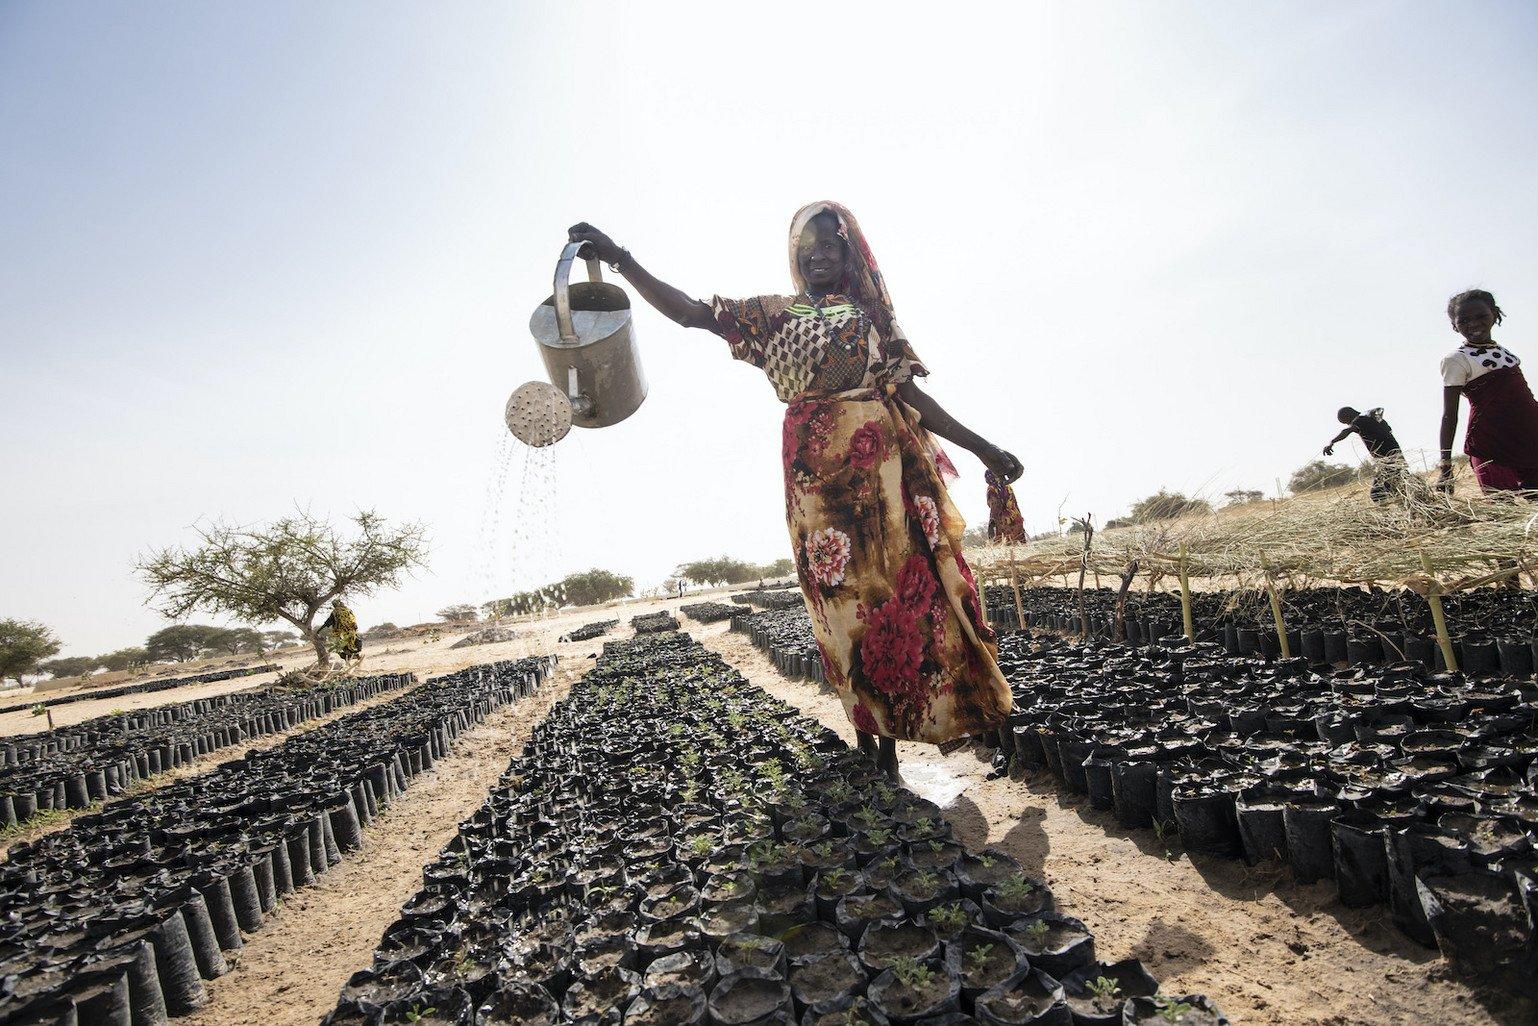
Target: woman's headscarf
[862,278]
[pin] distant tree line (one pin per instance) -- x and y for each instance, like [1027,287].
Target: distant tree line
[178,643]
[584,588]
[726,570]
[25,648]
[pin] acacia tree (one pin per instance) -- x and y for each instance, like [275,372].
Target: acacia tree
[721,569]
[1317,475]
[782,567]
[461,612]
[125,659]
[1163,505]
[69,666]
[24,644]
[287,570]
[182,641]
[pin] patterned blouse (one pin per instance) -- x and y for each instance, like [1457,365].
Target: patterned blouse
[1468,362]
[806,345]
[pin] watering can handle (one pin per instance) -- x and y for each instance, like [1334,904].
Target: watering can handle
[562,281]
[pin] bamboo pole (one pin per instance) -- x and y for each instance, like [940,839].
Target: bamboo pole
[1434,599]
[1276,610]
[1185,596]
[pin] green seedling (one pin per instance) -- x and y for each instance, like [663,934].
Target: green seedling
[1036,932]
[1016,888]
[912,973]
[987,861]
[1171,1011]
[837,877]
[39,709]
[868,817]
[855,1017]
[700,844]
[978,957]
[925,880]
[839,792]
[1104,988]
[879,836]
[885,794]
[416,1012]
[949,918]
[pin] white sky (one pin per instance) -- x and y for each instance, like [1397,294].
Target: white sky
[272,254]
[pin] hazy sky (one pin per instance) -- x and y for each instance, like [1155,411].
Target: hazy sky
[271,254]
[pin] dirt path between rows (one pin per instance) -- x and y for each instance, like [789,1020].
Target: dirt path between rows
[1267,951]
[289,972]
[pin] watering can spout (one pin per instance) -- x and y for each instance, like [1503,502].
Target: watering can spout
[586,337]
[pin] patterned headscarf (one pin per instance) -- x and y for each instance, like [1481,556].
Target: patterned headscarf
[862,278]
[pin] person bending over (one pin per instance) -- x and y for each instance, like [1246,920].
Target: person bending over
[344,633]
[1388,459]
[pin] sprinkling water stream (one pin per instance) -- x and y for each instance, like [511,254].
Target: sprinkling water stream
[522,547]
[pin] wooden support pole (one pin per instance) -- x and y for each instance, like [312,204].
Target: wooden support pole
[1185,596]
[1121,602]
[1089,537]
[1014,582]
[1276,611]
[1434,599]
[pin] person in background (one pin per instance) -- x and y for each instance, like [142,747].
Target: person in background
[1389,467]
[344,633]
[877,542]
[1502,436]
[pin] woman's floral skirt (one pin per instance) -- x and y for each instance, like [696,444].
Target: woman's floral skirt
[877,543]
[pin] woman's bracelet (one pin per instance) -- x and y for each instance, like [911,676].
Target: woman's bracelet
[614,265]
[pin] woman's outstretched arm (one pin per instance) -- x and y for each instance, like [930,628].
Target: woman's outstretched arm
[674,304]
[935,420]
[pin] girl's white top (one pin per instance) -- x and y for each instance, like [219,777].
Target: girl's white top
[1468,362]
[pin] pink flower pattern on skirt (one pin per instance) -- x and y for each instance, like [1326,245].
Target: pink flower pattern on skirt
[827,553]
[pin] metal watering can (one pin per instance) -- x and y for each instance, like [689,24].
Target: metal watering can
[586,336]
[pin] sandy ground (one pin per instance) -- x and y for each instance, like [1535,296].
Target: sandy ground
[1267,951]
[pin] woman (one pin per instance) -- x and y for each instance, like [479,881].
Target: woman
[1502,437]
[877,542]
[343,626]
